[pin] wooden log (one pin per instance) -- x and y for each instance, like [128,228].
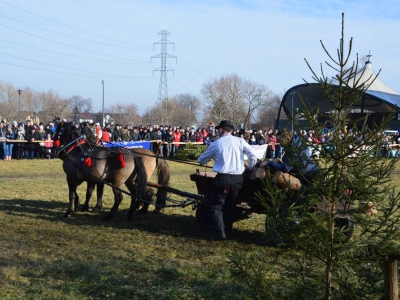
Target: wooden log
[391,284]
[285,179]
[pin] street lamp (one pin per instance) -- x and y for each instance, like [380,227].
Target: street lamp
[103,104]
[19,102]
[291,114]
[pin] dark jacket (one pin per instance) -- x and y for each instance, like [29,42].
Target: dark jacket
[169,138]
[144,136]
[32,135]
[117,136]
[135,136]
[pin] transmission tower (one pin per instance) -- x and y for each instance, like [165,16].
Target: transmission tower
[163,87]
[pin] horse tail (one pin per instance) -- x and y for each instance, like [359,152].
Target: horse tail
[141,177]
[164,175]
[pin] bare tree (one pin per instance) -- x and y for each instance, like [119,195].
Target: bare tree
[51,105]
[124,114]
[180,110]
[28,102]
[231,97]
[268,113]
[79,105]
[8,101]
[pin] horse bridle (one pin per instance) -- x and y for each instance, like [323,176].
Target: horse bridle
[71,146]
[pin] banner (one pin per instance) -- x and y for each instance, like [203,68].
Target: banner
[259,150]
[129,145]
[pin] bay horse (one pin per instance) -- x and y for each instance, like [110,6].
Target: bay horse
[151,163]
[83,162]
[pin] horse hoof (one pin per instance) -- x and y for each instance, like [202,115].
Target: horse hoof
[97,209]
[85,208]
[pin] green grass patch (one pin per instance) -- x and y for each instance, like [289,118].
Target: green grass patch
[156,256]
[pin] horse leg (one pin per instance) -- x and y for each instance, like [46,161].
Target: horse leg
[73,198]
[134,203]
[163,179]
[76,201]
[99,205]
[72,195]
[89,192]
[117,201]
[149,198]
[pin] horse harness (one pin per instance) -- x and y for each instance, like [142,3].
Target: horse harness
[87,155]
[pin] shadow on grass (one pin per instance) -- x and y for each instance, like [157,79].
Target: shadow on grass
[36,207]
[96,279]
[175,225]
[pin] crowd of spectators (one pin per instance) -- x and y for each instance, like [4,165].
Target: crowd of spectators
[170,135]
[11,133]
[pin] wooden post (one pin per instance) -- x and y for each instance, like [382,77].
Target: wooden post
[391,284]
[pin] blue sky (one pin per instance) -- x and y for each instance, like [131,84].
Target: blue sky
[82,42]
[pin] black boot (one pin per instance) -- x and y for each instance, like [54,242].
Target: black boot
[221,234]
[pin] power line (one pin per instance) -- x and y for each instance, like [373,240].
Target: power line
[81,30]
[116,76]
[71,36]
[85,17]
[182,85]
[66,44]
[193,79]
[180,56]
[89,58]
[59,72]
[109,15]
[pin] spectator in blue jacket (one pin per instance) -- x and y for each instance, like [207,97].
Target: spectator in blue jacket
[8,147]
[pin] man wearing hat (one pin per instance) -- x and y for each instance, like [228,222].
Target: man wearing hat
[135,134]
[31,136]
[228,153]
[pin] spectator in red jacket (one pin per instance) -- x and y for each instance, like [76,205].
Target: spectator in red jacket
[199,136]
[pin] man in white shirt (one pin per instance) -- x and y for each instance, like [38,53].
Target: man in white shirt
[228,152]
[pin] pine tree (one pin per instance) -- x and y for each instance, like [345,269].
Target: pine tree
[319,256]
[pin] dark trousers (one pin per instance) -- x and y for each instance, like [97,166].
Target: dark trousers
[19,152]
[223,199]
[30,154]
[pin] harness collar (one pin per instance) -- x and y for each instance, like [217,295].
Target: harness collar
[71,146]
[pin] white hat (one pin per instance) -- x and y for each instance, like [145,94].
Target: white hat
[97,124]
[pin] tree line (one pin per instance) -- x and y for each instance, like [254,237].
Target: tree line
[227,97]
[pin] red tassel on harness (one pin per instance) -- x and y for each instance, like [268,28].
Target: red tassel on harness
[88,161]
[122,160]
[57,143]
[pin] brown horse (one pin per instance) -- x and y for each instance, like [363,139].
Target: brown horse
[83,162]
[151,163]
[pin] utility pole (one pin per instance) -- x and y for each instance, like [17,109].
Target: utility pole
[163,86]
[291,113]
[102,109]
[19,103]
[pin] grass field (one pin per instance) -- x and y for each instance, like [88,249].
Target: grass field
[157,256]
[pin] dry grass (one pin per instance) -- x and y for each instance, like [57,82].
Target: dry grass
[156,256]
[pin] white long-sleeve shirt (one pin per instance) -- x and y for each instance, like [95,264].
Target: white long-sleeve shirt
[228,152]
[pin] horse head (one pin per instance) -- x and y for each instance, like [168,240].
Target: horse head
[88,133]
[65,133]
